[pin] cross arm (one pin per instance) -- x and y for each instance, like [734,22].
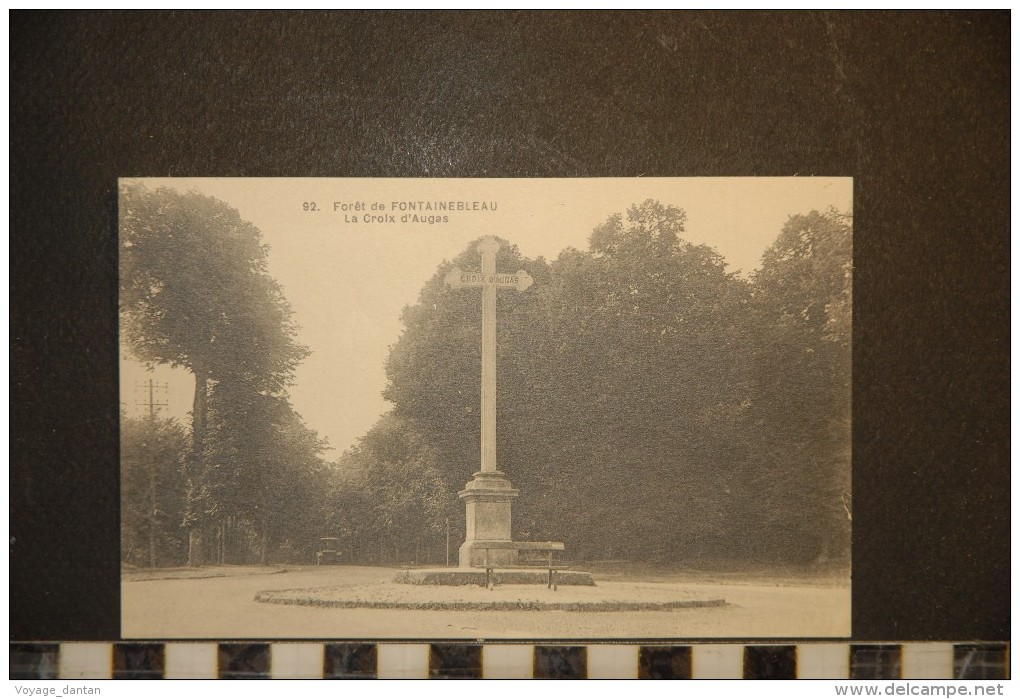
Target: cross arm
[456,278]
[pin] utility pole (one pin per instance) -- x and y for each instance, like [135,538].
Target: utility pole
[153,405]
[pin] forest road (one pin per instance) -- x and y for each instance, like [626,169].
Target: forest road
[225,608]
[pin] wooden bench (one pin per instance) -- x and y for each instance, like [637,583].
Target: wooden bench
[548,548]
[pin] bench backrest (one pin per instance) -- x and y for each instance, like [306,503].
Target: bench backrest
[540,546]
[523,545]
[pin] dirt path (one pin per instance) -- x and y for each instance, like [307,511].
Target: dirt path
[225,607]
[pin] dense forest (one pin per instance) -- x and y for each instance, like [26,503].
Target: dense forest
[652,406]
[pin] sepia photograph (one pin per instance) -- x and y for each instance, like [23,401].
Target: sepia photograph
[606,408]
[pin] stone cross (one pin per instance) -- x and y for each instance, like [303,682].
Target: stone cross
[487,496]
[490,281]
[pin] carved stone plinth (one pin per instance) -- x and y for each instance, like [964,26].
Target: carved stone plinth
[487,497]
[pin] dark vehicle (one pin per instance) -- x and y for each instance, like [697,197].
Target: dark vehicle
[328,553]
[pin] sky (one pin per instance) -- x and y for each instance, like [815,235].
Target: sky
[349,261]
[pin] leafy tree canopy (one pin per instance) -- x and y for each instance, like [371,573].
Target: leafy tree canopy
[195,292]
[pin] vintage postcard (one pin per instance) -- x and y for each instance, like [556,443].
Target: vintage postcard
[447,408]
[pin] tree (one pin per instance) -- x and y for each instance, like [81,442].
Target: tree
[801,395]
[644,341]
[434,369]
[391,495]
[613,372]
[153,458]
[650,404]
[262,470]
[195,293]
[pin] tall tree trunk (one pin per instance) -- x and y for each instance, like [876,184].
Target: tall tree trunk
[264,544]
[152,501]
[195,540]
[226,539]
[198,409]
[198,423]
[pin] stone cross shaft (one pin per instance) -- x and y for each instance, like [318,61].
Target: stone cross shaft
[489,280]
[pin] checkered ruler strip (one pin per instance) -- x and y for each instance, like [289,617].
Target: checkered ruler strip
[237,660]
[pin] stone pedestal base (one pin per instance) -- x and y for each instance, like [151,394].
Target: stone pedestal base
[487,497]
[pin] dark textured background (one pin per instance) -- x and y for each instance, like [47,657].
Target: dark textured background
[915,106]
